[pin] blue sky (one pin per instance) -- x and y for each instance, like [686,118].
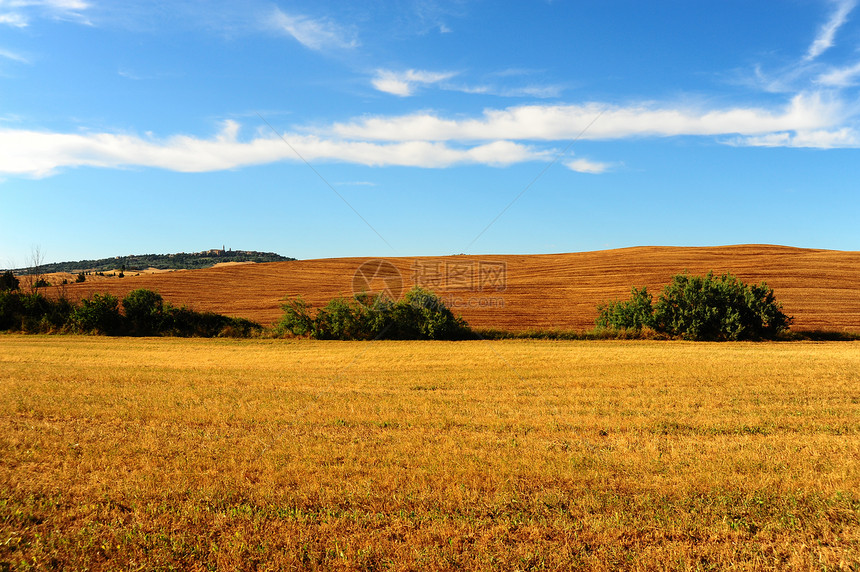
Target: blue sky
[384,128]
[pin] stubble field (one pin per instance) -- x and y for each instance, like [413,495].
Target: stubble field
[146,454]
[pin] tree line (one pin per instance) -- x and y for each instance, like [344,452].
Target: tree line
[141,313]
[702,308]
[178,261]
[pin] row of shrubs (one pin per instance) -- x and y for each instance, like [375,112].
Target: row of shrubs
[144,313]
[700,308]
[419,315]
[690,307]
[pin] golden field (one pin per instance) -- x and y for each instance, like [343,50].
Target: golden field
[192,454]
[820,288]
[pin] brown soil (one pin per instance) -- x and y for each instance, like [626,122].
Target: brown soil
[820,288]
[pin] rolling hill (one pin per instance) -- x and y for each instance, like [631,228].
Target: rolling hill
[820,288]
[177,261]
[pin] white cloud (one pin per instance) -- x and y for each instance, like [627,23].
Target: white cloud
[501,153]
[316,34]
[355,184]
[818,139]
[540,91]
[827,33]
[587,166]
[13,56]
[535,91]
[564,122]
[40,154]
[19,12]
[497,138]
[840,77]
[59,5]
[13,19]
[404,83]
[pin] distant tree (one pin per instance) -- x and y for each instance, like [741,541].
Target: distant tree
[34,278]
[81,278]
[8,282]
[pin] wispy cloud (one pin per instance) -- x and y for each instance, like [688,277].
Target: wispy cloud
[57,5]
[818,139]
[806,72]
[840,77]
[19,12]
[314,33]
[826,35]
[420,17]
[355,184]
[13,56]
[587,166]
[128,74]
[534,91]
[564,122]
[135,75]
[405,83]
[13,19]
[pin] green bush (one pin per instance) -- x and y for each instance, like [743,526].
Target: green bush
[33,313]
[297,319]
[99,314]
[184,322]
[11,310]
[144,312]
[723,308]
[422,315]
[240,328]
[8,282]
[701,308]
[361,318]
[419,315]
[633,314]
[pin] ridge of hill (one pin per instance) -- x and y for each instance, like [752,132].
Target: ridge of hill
[819,288]
[177,261]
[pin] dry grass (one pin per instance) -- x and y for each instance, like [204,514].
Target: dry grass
[820,288]
[147,454]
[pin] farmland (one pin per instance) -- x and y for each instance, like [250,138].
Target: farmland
[276,454]
[820,288]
